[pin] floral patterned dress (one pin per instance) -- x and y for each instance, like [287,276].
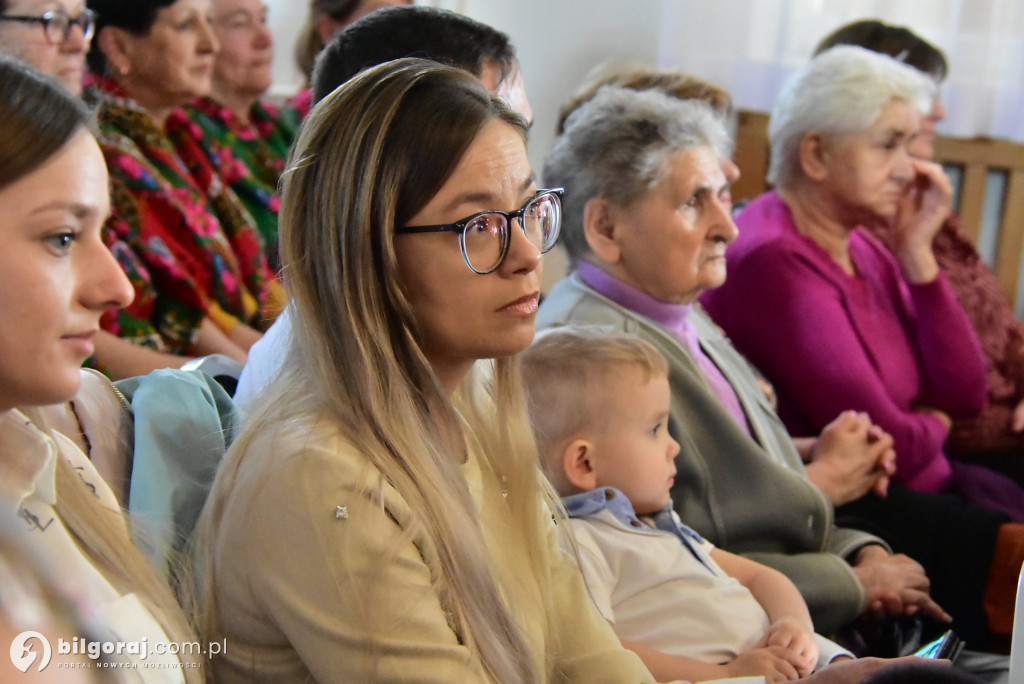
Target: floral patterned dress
[302,102]
[193,245]
[248,156]
[165,320]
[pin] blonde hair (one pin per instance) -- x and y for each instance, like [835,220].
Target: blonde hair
[308,44]
[566,372]
[369,157]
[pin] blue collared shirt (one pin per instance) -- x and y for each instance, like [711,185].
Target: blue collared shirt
[615,502]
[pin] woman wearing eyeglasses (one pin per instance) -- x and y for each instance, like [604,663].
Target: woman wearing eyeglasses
[51,35]
[209,287]
[382,517]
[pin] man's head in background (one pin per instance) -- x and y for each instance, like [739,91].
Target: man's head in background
[429,33]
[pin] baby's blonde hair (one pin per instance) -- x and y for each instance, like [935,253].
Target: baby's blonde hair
[566,372]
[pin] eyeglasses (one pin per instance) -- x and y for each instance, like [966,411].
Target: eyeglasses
[57,24]
[484,238]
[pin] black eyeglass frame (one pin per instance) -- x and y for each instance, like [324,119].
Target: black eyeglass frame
[86,20]
[460,228]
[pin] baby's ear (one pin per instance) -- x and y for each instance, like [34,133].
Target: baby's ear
[577,462]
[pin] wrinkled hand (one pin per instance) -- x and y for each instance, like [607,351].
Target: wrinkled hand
[926,204]
[1017,423]
[774,663]
[852,457]
[936,413]
[856,671]
[894,585]
[790,635]
[886,461]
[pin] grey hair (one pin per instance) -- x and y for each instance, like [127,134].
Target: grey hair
[617,147]
[842,90]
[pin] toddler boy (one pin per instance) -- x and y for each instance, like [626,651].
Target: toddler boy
[599,403]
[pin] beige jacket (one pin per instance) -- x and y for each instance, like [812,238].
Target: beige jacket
[299,563]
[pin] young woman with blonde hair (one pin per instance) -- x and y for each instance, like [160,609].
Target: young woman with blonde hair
[382,516]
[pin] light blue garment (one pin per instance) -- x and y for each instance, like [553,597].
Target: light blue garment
[184,422]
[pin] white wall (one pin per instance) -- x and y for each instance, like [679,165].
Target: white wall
[746,46]
[558,41]
[286,18]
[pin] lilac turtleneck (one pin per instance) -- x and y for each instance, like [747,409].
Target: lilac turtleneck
[675,318]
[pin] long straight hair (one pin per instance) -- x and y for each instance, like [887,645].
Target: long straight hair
[370,156]
[38,117]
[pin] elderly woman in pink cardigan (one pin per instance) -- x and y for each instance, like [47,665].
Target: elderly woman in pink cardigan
[833,318]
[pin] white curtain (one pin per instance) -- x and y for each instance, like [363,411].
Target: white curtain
[748,47]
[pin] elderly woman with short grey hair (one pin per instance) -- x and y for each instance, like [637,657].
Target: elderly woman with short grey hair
[841,94]
[833,319]
[623,150]
[646,223]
